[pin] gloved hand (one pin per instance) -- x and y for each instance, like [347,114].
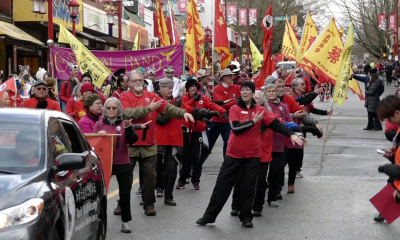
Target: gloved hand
[225,115]
[392,170]
[42,104]
[213,114]
[313,130]
[290,125]
[162,120]
[197,97]
[178,102]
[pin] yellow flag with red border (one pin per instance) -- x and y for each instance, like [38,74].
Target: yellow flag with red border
[309,35]
[162,26]
[342,83]
[287,45]
[293,37]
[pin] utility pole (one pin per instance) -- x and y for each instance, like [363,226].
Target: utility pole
[248,34]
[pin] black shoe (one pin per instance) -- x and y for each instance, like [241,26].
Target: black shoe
[149,210]
[279,195]
[170,202]
[247,223]
[379,218]
[235,212]
[204,221]
[377,129]
[117,210]
[257,213]
[180,185]
[367,128]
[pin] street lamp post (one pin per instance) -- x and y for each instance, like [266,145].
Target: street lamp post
[208,38]
[244,38]
[182,40]
[121,47]
[237,46]
[73,7]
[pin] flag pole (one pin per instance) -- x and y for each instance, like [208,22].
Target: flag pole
[213,7]
[16,92]
[327,129]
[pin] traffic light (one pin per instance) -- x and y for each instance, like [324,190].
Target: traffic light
[341,31]
[384,55]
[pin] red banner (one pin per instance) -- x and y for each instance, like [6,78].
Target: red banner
[182,6]
[242,17]
[252,16]
[103,147]
[382,21]
[392,22]
[232,14]
[141,10]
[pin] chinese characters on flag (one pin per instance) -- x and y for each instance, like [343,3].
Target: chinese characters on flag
[392,22]
[242,17]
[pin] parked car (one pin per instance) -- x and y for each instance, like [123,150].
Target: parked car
[286,65]
[51,182]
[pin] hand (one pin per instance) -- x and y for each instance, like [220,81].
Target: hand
[76,79]
[330,111]
[229,100]
[387,154]
[213,114]
[102,132]
[324,138]
[197,97]
[188,116]
[396,196]
[296,140]
[299,114]
[258,117]
[319,90]
[126,123]
[319,128]
[155,105]
[146,125]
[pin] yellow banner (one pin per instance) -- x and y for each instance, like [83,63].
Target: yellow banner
[85,59]
[342,83]
[256,56]
[287,46]
[309,35]
[293,37]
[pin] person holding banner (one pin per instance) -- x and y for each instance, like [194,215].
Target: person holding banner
[113,123]
[143,106]
[5,100]
[40,98]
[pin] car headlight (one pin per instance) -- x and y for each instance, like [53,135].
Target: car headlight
[20,214]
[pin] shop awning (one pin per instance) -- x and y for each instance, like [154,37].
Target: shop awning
[14,32]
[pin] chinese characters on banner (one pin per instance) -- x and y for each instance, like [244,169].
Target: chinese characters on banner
[242,17]
[382,21]
[252,16]
[182,6]
[392,22]
[232,14]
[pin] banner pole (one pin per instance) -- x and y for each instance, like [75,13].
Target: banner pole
[327,128]
[213,40]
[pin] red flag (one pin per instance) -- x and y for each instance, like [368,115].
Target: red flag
[268,26]
[171,26]
[9,85]
[221,42]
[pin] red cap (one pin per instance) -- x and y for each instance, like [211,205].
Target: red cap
[87,87]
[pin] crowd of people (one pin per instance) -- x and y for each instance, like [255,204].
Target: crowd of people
[169,126]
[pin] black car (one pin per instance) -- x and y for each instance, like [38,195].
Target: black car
[51,182]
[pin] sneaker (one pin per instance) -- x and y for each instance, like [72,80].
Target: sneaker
[299,175]
[235,212]
[204,221]
[290,189]
[273,204]
[117,210]
[160,192]
[125,228]
[139,191]
[196,186]
[379,218]
[170,202]
[149,210]
[187,180]
[247,223]
[180,185]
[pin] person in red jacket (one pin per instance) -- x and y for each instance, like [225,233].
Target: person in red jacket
[193,134]
[40,98]
[142,106]
[87,78]
[85,90]
[68,85]
[228,92]
[122,84]
[70,108]
[246,118]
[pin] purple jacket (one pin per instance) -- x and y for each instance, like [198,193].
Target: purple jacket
[86,124]
[120,149]
[281,111]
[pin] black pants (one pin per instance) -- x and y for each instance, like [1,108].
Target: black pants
[281,174]
[133,165]
[226,179]
[214,129]
[167,170]
[294,159]
[147,166]
[373,118]
[190,158]
[389,78]
[124,179]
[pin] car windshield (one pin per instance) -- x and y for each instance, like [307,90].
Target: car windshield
[286,65]
[21,147]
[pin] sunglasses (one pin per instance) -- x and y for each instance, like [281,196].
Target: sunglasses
[41,88]
[112,108]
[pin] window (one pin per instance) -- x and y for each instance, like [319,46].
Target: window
[59,142]
[73,137]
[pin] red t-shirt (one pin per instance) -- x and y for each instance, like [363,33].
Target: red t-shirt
[222,93]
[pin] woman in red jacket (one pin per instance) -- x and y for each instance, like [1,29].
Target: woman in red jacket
[193,134]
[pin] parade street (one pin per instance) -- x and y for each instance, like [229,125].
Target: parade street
[331,201]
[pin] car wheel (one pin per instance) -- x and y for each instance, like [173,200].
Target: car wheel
[55,235]
[101,225]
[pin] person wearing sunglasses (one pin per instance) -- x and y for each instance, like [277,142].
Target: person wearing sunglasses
[40,98]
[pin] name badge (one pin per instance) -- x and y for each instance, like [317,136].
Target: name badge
[244,112]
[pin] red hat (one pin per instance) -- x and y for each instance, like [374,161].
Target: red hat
[87,87]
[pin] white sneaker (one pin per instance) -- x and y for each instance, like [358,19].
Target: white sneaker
[273,204]
[299,175]
[125,228]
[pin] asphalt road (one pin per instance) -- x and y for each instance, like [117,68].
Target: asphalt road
[331,201]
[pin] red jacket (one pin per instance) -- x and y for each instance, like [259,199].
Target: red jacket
[205,103]
[248,143]
[267,137]
[12,99]
[65,94]
[390,126]
[117,93]
[32,102]
[70,109]
[79,110]
[130,100]
[221,93]
[291,103]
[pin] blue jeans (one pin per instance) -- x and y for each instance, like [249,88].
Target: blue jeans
[214,130]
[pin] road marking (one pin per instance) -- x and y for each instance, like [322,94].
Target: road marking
[115,192]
